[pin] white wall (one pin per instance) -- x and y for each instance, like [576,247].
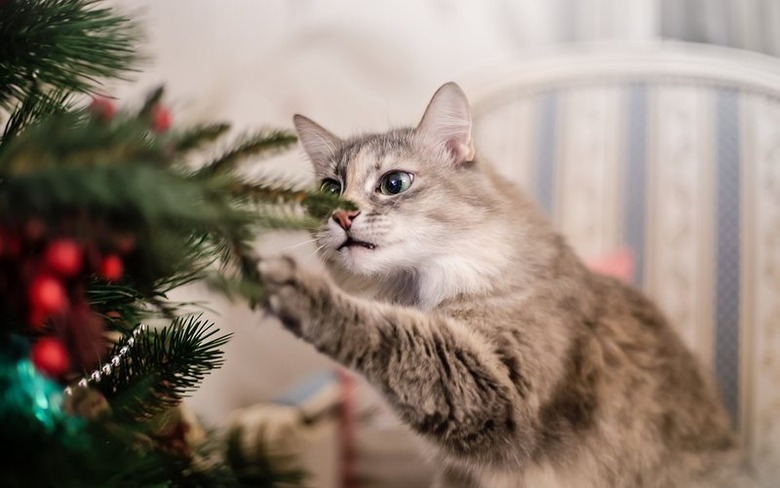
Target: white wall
[351,65]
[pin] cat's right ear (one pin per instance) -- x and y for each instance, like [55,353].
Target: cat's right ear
[446,124]
[319,144]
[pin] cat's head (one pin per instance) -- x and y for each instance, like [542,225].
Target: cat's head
[421,198]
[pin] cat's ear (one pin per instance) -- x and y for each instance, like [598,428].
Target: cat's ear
[318,143]
[447,123]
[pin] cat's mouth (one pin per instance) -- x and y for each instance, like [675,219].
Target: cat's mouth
[350,242]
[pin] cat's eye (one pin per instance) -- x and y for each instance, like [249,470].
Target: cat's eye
[395,182]
[330,187]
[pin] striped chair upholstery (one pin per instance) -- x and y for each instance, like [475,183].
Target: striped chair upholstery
[674,151]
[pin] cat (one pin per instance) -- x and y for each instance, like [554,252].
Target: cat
[514,364]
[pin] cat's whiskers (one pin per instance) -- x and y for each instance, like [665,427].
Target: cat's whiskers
[314,253]
[298,244]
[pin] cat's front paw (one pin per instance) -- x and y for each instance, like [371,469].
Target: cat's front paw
[296,297]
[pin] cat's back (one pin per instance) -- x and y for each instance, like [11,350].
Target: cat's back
[628,402]
[637,341]
[658,407]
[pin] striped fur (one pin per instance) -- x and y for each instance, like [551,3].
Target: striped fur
[514,364]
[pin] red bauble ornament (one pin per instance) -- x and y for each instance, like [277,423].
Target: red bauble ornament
[102,108]
[47,296]
[64,257]
[161,119]
[111,268]
[50,356]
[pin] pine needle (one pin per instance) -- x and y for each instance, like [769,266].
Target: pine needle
[152,99]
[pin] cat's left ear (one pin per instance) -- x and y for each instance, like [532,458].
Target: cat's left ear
[447,123]
[319,144]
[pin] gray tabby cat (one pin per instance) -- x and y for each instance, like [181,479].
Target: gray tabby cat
[454,297]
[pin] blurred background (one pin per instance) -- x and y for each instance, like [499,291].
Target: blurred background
[648,129]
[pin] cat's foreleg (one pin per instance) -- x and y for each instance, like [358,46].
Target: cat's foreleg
[441,378]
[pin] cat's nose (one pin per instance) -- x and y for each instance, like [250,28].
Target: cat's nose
[345,217]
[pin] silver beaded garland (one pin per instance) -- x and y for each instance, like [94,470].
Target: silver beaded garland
[106,369]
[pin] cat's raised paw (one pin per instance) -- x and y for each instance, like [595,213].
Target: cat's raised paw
[294,296]
[277,271]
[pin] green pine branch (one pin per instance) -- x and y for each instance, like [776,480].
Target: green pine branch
[317,204]
[162,367]
[74,139]
[62,45]
[260,144]
[119,175]
[36,106]
[196,137]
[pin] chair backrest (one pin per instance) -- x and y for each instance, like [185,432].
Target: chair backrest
[673,151]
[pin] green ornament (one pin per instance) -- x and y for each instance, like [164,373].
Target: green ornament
[31,403]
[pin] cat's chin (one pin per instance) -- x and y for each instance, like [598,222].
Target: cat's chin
[361,260]
[350,253]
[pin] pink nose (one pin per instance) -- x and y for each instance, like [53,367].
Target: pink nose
[345,217]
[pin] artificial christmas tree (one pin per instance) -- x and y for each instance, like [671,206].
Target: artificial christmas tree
[104,211]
